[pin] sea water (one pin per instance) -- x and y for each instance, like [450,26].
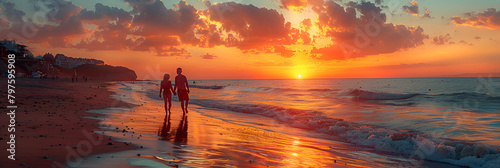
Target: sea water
[451,120]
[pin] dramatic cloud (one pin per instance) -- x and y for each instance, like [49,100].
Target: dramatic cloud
[488,19]
[411,8]
[160,28]
[368,34]
[441,40]
[62,11]
[208,56]
[356,29]
[102,14]
[252,28]
[111,28]
[61,28]
[149,27]
[156,19]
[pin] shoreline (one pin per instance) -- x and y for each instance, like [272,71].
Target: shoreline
[206,139]
[53,127]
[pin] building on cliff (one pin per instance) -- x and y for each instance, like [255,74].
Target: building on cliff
[11,47]
[70,62]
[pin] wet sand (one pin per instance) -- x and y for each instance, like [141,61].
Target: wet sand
[195,140]
[50,130]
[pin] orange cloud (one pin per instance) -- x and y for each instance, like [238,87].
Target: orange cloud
[488,19]
[427,14]
[441,40]
[411,9]
[253,27]
[368,34]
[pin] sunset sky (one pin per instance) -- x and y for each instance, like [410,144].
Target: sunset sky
[267,39]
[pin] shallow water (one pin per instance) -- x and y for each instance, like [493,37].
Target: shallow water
[445,113]
[458,108]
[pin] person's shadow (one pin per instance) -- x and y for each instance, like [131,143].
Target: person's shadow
[165,129]
[181,134]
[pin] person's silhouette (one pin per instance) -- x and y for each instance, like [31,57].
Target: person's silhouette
[182,88]
[166,88]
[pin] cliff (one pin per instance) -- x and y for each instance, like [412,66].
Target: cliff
[91,71]
[105,72]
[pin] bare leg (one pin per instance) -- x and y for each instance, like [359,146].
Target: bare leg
[169,104]
[187,102]
[166,106]
[182,106]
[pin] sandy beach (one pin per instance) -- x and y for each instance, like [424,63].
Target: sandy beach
[50,128]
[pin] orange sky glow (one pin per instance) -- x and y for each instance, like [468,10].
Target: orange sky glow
[269,39]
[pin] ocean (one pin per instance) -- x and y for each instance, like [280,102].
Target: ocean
[453,121]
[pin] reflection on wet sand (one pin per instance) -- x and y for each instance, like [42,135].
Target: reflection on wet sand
[165,129]
[181,133]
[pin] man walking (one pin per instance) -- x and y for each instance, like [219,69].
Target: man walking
[181,84]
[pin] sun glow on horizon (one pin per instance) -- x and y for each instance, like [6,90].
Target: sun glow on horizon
[299,76]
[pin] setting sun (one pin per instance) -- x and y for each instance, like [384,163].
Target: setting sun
[300,76]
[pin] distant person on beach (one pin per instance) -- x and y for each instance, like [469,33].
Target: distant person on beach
[166,87]
[181,84]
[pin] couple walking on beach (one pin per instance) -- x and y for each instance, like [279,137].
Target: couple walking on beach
[182,88]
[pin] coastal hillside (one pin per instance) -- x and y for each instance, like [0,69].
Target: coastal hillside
[106,72]
[26,68]
[60,65]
